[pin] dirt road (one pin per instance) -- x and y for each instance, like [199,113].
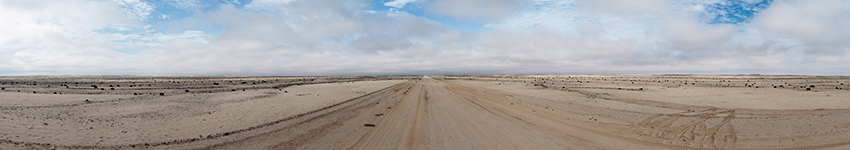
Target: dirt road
[428,114]
[444,114]
[447,113]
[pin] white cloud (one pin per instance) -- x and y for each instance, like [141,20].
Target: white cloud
[184,4]
[268,4]
[231,2]
[624,7]
[308,42]
[140,8]
[808,19]
[52,38]
[398,3]
[660,35]
[478,10]
[328,37]
[753,1]
[821,26]
[163,16]
[690,35]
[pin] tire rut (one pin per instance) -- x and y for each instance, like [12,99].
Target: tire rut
[190,140]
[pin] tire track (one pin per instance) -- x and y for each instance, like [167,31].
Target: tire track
[403,117]
[145,97]
[413,140]
[190,140]
[695,133]
[721,135]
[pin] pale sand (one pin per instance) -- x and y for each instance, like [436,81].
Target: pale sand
[433,112]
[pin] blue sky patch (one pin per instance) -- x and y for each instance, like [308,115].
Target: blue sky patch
[734,11]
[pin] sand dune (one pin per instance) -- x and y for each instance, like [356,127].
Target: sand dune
[426,112]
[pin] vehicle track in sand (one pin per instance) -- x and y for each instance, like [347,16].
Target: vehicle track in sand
[705,129]
[432,113]
[191,140]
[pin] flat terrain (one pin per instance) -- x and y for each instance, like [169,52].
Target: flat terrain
[426,112]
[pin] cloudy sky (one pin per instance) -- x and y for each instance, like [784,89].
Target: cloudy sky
[367,37]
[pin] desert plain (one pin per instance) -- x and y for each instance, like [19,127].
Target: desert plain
[426,112]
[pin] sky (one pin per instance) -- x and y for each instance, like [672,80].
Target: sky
[406,37]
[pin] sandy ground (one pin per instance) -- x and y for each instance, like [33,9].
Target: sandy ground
[430,112]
